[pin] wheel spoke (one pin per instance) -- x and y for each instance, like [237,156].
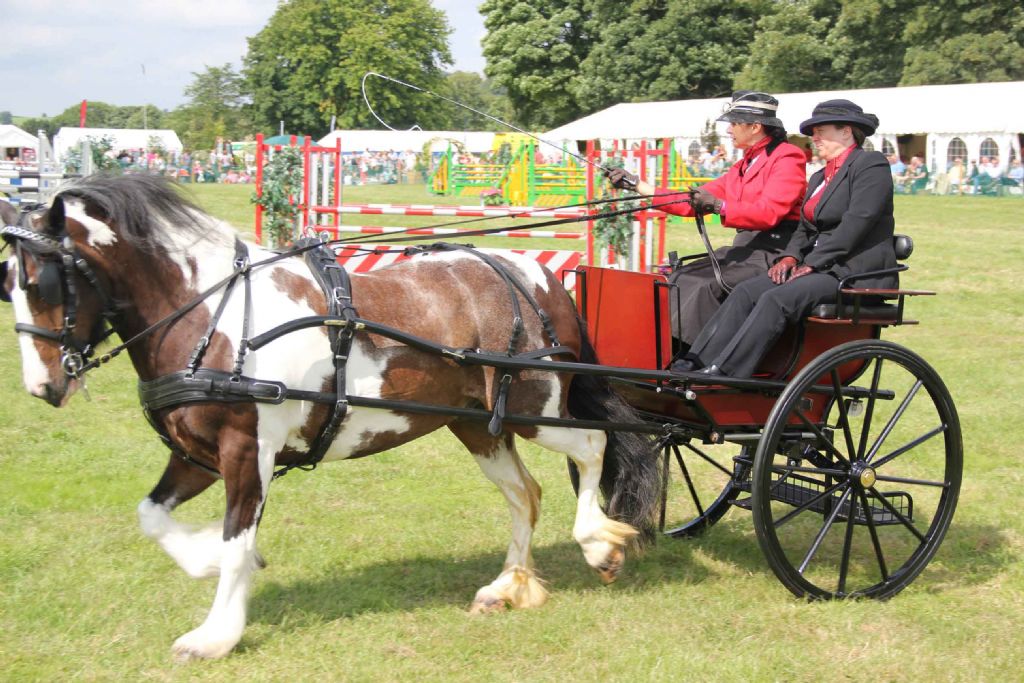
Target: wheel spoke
[689,482]
[844,419]
[793,513]
[897,514]
[710,460]
[821,437]
[874,536]
[913,444]
[892,421]
[869,411]
[779,469]
[823,532]
[664,489]
[906,480]
[844,563]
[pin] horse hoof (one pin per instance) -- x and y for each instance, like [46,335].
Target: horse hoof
[487,606]
[260,562]
[197,645]
[609,570]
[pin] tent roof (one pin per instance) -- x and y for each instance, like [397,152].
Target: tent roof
[950,109]
[12,136]
[401,140]
[124,138]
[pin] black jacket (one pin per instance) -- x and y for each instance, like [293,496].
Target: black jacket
[853,223]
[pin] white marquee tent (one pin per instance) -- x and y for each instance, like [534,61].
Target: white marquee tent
[402,140]
[16,138]
[123,138]
[984,117]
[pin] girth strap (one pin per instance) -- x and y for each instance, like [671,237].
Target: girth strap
[337,286]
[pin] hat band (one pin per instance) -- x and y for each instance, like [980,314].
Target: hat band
[748,108]
[836,111]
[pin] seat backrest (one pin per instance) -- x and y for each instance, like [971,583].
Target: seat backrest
[903,245]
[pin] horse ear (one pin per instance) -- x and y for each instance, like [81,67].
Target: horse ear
[55,217]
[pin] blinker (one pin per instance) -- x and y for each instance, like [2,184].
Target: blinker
[51,288]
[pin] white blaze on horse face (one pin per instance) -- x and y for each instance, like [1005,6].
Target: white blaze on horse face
[34,372]
[100,234]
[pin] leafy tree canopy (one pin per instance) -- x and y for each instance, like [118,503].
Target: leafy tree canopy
[217,107]
[654,50]
[817,45]
[307,63]
[534,49]
[473,90]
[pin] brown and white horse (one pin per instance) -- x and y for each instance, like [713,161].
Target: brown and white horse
[152,252]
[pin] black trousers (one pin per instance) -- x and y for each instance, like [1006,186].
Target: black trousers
[743,330]
[697,295]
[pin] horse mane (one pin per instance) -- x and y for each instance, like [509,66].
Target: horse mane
[146,209]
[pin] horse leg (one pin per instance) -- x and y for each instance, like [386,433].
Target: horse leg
[603,540]
[197,551]
[517,585]
[246,465]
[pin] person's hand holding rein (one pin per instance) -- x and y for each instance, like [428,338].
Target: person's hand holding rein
[705,202]
[621,179]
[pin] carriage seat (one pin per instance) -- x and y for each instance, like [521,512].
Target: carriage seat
[858,305]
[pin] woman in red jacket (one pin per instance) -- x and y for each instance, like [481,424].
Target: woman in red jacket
[759,197]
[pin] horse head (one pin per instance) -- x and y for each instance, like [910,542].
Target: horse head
[121,250]
[60,304]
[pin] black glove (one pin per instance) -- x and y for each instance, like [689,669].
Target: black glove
[621,179]
[705,202]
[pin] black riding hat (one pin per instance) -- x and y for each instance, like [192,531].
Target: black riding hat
[748,106]
[840,111]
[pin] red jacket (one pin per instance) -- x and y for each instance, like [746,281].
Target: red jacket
[768,192]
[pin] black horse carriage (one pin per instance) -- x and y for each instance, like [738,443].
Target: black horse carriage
[846,448]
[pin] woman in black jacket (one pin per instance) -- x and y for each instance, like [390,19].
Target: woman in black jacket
[846,227]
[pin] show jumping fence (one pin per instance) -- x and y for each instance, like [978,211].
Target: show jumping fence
[319,207]
[35,184]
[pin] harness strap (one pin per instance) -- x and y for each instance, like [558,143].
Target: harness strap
[337,286]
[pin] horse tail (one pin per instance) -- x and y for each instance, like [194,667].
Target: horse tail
[630,477]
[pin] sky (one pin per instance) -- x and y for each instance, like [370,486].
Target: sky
[56,53]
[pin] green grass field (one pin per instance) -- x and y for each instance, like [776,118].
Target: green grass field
[372,563]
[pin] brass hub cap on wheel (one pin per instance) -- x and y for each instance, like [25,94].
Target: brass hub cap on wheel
[863,474]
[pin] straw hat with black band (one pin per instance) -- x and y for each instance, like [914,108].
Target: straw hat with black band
[748,106]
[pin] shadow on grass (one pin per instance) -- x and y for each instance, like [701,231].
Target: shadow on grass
[425,582]
[971,554]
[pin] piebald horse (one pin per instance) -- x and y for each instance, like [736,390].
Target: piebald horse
[146,252]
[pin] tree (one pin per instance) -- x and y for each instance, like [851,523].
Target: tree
[308,62]
[99,115]
[884,43]
[6,118]
[473,90]
[964,42]
[789,52]
[534,49]
[217,107]
[665,50]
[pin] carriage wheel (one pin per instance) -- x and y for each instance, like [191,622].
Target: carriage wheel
[699,486]
[856,503]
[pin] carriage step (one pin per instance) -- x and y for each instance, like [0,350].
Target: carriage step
[798,494]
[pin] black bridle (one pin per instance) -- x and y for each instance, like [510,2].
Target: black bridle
[58,263]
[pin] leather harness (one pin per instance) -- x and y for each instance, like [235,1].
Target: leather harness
[196,384]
